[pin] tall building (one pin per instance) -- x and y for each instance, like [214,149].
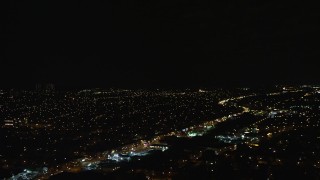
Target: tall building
[38,87]
[49,87]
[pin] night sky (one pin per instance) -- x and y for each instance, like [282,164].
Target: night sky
[167,43]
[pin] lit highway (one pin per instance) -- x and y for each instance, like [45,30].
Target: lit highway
[142,148]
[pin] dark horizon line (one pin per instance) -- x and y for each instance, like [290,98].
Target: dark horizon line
[163,87]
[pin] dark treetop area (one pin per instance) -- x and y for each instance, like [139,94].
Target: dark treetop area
[168,43]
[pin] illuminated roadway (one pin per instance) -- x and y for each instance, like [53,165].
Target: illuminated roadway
[139,148]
